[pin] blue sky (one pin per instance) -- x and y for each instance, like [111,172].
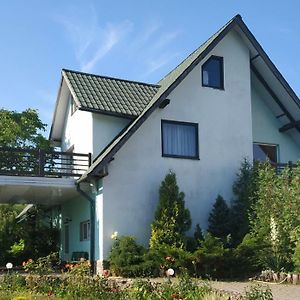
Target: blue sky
[138,40]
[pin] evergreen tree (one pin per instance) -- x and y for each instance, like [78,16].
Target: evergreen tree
[244,190]
[172,219]
[198,235]
[219,219]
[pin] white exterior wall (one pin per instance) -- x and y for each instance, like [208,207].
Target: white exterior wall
[78,131]
[265,126]
[130,193]
[105,128]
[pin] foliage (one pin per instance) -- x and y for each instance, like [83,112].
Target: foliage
[125,252]
[258,292]
[43,265]
[244,190]
[276,216]
[209,259]
[172,219]
[246,255]
[10,232]
[296,257]
[22,129]
[87,287]
[219,219]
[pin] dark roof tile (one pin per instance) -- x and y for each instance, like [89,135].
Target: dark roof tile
[110,94]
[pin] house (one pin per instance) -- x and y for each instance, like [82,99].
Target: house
[225,102]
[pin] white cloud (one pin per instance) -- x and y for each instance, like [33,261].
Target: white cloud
[148,47]
[111,36]
[92,41]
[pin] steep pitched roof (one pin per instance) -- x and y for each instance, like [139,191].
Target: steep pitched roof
[171,81]
[109,95]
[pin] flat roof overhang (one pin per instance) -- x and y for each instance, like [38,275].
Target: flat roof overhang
[37,190]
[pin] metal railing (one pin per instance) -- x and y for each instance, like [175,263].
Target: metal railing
[40,163]
[279,167]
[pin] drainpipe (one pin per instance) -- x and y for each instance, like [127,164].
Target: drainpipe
[92,220]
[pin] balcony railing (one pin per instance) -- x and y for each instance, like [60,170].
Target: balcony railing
[40,163]
[279,167]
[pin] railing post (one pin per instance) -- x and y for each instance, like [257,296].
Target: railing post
[90,159]
[41,162]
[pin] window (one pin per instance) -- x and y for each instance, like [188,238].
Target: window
[72,104]
[179,139]
[265,152]
[85,230]
[212,73]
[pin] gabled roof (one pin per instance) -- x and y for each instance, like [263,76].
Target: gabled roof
[109,95]
[260,62]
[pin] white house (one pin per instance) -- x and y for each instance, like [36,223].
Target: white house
[225,102]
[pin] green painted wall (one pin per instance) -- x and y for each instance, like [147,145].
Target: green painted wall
[77,210]
[265,125]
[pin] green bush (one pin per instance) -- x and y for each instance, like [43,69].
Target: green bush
[125,253]
[246,257]
[258,292]
[209,259]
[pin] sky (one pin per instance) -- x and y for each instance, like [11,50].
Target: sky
[136,40]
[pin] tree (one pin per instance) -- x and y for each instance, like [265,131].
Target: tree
[29,238]
[276,216]
[172,219]
[219,219]
[22,129]
[244,190]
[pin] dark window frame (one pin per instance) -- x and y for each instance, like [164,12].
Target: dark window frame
[73,106]
[81,231]
[270,145]
[195,125]
[221,61]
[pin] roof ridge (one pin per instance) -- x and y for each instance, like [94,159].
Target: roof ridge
[112,78]
[238,16]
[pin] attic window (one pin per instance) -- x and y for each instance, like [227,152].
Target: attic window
[213,73]
[72,104]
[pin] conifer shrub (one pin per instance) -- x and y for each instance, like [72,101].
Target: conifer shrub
[171,219]
[219,219]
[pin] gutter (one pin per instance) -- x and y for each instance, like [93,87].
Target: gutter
[92,222]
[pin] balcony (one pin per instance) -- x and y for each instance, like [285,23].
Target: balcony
[40,163]
[40,177]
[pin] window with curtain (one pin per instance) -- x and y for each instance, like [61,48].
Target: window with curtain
[179,139]
[212,73]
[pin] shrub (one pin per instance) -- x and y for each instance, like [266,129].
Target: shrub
[258,292]
[244,189]
[124,253]
[246,255]
[218,221]
[172,219]
[209,259]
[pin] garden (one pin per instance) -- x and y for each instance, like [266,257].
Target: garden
[256,235]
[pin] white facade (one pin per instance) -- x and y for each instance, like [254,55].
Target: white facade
[229,121]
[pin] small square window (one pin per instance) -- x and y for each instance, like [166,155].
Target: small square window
[85,230]
[179,139]
[212,73]
[265,152]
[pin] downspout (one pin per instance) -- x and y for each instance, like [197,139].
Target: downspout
[92,220]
